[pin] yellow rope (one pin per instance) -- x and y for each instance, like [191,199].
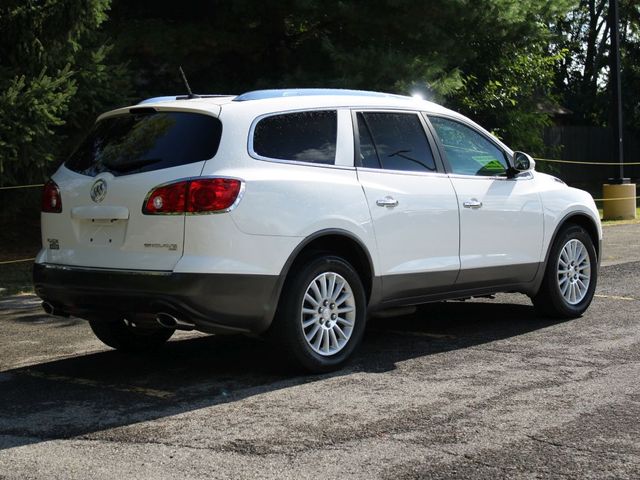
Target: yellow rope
[17,261]
[22,186]
[585,163]
[617,198]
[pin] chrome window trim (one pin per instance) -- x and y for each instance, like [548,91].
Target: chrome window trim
[187,179]
[402,172]
[301,164]
[520,176]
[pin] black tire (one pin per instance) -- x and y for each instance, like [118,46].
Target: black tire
[120,335]
[287,330]
[549,300]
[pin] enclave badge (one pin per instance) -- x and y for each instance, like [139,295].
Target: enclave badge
[98,191]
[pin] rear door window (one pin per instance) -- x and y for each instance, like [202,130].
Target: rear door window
[142,142]
[394,141]
[299,136]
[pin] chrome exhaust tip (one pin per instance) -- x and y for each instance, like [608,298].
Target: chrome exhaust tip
[167,320]
[51,310]
[47,307]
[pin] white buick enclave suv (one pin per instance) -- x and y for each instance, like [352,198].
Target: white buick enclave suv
[296,213]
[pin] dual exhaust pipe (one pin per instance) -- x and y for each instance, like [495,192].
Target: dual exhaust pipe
[163,319]
[51,310]
[167,320]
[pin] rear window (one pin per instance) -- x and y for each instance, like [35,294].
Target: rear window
[141,142]
[301,136]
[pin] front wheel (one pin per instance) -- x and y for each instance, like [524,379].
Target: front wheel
[322,313]
[570,277]
[126,336]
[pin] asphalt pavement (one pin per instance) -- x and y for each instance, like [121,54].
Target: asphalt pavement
[475,389]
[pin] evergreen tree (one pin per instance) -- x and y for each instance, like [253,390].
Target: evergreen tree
[488,58]
[54,77]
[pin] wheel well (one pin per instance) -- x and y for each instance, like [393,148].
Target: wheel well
[344,247]
[587,223]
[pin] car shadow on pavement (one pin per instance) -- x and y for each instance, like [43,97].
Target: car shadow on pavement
[89,393]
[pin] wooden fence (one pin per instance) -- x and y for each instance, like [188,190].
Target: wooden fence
[588,144]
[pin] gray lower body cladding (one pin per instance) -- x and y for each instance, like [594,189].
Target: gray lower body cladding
[217,303]
[239,303]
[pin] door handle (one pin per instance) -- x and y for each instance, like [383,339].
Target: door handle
[387,201]
[473,203]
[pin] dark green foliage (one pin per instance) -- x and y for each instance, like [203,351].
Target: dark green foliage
[630,57]
[513,97]
[584,33]
[453,51]
[505,63]
[54,78]
[582,77]
[30,109]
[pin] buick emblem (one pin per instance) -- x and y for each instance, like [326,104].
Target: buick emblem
[98,191]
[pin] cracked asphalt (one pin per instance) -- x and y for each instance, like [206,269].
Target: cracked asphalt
[476,389]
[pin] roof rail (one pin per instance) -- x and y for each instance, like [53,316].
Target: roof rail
[302,92]
[171,98]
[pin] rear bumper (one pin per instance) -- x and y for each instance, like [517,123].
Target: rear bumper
[217,303]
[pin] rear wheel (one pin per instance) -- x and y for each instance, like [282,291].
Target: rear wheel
[126,336]
[570,277]
[321,315]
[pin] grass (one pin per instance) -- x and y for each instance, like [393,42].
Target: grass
[19,239]
[15,278]
[621,222]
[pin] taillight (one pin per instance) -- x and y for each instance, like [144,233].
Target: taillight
[202,195]
[167,199]
[212,194]
[51,200]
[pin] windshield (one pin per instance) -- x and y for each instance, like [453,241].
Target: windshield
[141,142]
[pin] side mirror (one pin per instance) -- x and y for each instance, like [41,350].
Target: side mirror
[523,162]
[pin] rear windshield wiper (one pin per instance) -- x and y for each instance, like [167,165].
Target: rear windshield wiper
[132,165]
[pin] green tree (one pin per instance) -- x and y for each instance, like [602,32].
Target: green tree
[508,82]
[489,58]
[630,59]
[54,77]
[514,97]
[582,78]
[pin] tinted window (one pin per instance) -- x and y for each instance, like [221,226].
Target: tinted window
[468,151]
[399,142]
[301,136]
[136,143]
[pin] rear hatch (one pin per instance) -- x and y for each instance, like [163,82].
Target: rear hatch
[104,184]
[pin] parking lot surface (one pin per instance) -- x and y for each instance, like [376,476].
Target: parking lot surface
[475,389]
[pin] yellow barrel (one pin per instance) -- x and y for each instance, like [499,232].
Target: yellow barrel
[625,207]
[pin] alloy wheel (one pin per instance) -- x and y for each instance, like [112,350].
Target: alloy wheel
[328,313]
[574,271]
